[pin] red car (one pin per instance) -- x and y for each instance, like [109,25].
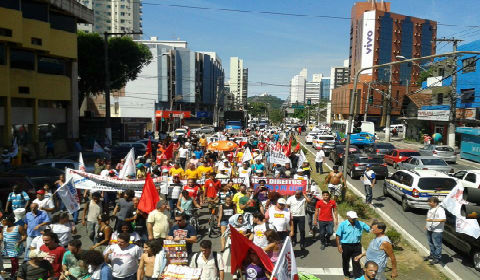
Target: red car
[399,155]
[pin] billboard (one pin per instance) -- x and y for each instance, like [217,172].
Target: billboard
[433,115]
[368,40]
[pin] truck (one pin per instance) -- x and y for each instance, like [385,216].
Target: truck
[235,120]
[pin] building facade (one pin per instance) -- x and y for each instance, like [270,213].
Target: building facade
[38,71]
[238,82]
[378,36]
[114,16]
[297,89]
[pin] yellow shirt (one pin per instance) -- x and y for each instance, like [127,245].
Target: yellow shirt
[192,174]
[202,170]
[239,156]
[236,200]
[174,171]
[202,142]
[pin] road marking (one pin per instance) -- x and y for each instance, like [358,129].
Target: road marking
[385,216]
[334,271]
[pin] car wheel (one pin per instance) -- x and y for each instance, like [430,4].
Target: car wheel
[385,191]
[352,175]
[476,260]
[405,206]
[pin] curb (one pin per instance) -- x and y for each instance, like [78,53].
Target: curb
[447,271]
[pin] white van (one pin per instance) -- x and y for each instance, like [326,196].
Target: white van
[399,127]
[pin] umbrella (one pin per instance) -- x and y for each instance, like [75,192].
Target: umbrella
[222,146]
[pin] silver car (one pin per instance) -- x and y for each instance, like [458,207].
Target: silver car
[425,163]
[441,151]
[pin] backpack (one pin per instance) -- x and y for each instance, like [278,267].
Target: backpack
[214,254]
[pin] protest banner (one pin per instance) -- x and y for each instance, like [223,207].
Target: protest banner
[286,266]
[69,196]
[282,186]
[175,272]
[453,203]
[278,157]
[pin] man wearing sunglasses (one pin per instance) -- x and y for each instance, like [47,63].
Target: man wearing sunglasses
[183,231]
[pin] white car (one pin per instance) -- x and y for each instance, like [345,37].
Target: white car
[309,138]
[322,138]
[180,132]
[468,178]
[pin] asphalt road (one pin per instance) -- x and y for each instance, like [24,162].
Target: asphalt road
[413,222]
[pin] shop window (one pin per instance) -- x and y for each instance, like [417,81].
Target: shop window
[22,59]
[35,10]
[49,65]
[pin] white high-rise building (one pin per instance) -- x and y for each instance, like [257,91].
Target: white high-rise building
[297,87]
[114,16]
[238,81]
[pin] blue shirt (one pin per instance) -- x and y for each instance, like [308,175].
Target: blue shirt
[349,233]
[360,278]
[33,221]
[374,253]
[18,200]
[198,154]
[258,166]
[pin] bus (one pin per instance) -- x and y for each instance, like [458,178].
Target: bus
[367,136]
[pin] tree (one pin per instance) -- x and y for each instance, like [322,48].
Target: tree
[126,59]
[276,115]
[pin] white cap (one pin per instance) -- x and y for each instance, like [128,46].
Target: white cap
[352,214]
[37,254]
[281,201]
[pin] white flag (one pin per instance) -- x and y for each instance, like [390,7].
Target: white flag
[68,193]
[81,165]
[301,159]
[453,204]
[247,155]
[97,148]
[286,267]
[128,168]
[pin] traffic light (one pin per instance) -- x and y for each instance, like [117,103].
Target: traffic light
[370,99]
[357,124]
[309,101]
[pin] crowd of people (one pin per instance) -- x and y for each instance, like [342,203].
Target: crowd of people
[127,243]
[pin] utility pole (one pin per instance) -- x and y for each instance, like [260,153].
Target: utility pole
[108,122]
[453,94]
[407,93]
[366,102]
[388,107]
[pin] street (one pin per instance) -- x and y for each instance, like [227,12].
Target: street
[413,222]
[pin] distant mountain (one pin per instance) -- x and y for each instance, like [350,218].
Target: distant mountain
[275,102]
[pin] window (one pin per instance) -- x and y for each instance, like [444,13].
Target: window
[471,177]
[122,14]
[459,174]
[22,59]
[10,4]
[122,21]
[5,32]
[36,41]
[469,65]
[63,22]
[468,95]
[440,98]
[53,66]
[3,52]
[35,10]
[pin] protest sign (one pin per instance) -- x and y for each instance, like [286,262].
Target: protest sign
[282,186]
[69,196]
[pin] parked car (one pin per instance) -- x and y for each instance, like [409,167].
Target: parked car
[309,137]
[319,139]
[180,132]
[8,180]
[425,163]
[398,155]
[208,129]
[357,164]
[444,152]
[89,158]
[120,150]
[39,175]
[380,148]
[336,155]
[413,187]
[462,242]
[327,147]
[468,178]
[60,163]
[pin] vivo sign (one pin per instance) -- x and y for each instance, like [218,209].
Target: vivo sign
[368,40]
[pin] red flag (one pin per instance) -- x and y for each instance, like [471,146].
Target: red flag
[169,151]
[149,148]
[239,250]
[297,148]
[150,197]
[188,134]
[288,150]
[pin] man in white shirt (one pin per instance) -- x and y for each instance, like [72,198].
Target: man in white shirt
[319,158]
[44,204]
[297,203]
[182,155]
[124,257]
[436,219]
[210,262]
[244,171]
[258,235]
[369,179]
[280,219]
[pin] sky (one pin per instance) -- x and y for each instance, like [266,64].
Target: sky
[274,48]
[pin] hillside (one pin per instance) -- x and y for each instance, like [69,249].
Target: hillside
[275,102]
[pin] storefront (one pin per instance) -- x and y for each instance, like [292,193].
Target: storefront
[170,120]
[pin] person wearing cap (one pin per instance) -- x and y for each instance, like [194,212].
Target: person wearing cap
[280,218]
[326,216]
[349,235]
[299,175]
[369,180]
[335,182]
[44,204]
[194,160]
[157,222]
[36,268]
[296,204]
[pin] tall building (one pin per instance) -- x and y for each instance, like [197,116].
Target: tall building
[114,16]
[378,36]
[298,87]
[312,92]
[238,81]
[325,89]
[38,71]
[340,75]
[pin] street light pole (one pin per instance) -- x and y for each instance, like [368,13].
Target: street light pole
[388,106]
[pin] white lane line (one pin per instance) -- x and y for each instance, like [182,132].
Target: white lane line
[318,271]
[385,216]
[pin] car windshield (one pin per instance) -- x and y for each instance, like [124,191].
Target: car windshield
[374,160]
[433,161]
[437,184]
[444,149]
[384,146]
[409,154]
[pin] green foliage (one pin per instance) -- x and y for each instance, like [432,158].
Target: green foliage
[126,59]
[424,75]
[300,113]
[268,100]
[394,236]
[276,115]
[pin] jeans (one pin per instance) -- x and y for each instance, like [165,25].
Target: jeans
[368,193]
[435,243]
[319,166]
[172,203]
[27,247]
[75,216]
[310,216]
[131,277]
[300,223]
[183,161]
[91,230]
[350,251]
[325,230]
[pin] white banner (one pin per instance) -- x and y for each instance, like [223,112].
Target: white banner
[368,40]
[247,155]
[128,169]
[278,157]
[433,115]
[81,164]
[301,159]
[68,193]
[286,266]
[453,203]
